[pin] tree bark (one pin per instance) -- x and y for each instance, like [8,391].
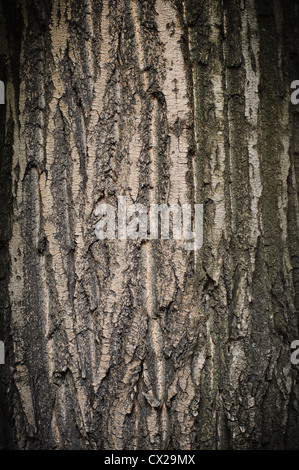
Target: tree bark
[140,344]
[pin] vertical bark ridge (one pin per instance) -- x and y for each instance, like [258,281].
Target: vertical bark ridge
[140,344]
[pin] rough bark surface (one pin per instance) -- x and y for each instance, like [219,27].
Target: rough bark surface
[142,344]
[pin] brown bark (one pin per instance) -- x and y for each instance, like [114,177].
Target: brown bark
[141,344]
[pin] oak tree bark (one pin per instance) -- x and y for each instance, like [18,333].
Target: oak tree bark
[141,344]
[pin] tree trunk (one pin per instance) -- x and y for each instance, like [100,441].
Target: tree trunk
[141,344]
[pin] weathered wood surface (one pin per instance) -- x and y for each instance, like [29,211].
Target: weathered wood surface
[142,344]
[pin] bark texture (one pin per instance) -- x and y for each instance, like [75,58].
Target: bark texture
[142,344]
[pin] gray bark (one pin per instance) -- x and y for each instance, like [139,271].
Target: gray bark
[142,344]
